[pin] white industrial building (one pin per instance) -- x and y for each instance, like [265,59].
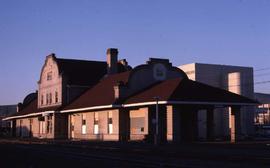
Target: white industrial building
[236,79]
[262,115]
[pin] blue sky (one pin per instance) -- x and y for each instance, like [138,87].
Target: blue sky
[233,32]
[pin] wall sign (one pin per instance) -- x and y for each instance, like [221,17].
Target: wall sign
[159,72]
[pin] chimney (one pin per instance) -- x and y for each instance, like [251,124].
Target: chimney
[112,54]
[118,90]
[123,62]
[19,107]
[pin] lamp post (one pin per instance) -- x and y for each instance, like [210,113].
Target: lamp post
[156,121]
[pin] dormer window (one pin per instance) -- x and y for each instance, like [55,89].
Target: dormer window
[49,76]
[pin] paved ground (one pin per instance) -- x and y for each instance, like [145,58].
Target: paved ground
[36,154]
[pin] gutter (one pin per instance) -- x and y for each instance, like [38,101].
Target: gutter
[132,105]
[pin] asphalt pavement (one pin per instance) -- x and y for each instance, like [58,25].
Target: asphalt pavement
[40,153]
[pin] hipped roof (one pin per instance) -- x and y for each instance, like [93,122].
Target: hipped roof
[172,90]
[101,94]
[186,90]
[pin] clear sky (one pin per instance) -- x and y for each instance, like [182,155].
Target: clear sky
[235,32]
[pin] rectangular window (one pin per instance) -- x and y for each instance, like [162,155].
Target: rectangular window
[47,98]
[49,76]
[110,123]
[50,98]
[42,127]
[42,99]
[96,127]
[56,97]
[49,124]
[83,124]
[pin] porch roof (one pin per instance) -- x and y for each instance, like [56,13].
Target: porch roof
[187,91]
[31,109]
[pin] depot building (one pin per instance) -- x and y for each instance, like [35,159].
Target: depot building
[110,101]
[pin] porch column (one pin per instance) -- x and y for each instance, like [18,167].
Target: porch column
[210,123]
[13,128]
[235,124]
[124,125]
[176,123]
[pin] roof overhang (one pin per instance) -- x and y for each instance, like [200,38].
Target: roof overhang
[132,105]
[189,102]
[91,108]
[154,103]
[30,115]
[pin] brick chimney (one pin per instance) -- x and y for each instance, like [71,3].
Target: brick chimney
[119,90]
[112,54]
[19,107]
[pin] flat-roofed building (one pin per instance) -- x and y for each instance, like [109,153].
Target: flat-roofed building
[236,79]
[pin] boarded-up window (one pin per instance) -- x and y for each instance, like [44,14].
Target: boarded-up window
[137,125]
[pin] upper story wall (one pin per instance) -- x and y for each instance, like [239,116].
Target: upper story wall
[50,84]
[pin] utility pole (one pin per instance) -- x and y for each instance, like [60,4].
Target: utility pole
[156,122]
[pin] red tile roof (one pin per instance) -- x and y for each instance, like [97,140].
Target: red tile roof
[28,109]
[190,90]
[177,89]
[32,107]
[186,90]
[100,94]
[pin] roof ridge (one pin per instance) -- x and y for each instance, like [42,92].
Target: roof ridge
[72,59]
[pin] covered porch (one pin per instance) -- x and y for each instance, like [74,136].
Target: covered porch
[171,112]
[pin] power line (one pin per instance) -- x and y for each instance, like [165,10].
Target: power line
[248,84]
[262,69]
[259,75]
